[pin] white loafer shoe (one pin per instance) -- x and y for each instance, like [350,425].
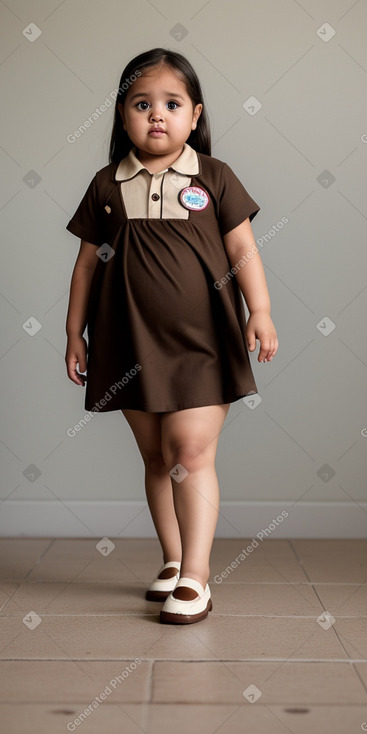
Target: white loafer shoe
[180,611]
[160,588]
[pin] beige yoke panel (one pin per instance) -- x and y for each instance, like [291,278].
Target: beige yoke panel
[149,195]
[155,195]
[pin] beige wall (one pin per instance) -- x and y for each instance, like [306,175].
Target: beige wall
[312,120]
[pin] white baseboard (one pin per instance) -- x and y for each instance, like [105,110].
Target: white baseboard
[131,519]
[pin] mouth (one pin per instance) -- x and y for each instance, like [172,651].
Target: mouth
[157,132]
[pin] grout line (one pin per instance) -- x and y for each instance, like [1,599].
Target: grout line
[189,660]
[357,673]
[150,682]
[299,560]
[40,557]
[9,598]
[284,703]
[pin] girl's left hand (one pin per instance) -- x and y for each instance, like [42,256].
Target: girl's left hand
[261,327]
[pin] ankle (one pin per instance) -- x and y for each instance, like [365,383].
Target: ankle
[202,578]
[172,557]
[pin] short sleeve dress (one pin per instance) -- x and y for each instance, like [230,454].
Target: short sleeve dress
[165,319]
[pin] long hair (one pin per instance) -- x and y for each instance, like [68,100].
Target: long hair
[199,138]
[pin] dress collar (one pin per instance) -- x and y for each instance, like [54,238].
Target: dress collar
[187,163]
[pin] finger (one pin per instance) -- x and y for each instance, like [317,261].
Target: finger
[251,340]
[271,351]
[72,373]
[82,362]
[264,351]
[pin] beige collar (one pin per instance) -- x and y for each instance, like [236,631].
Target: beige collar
[187,163]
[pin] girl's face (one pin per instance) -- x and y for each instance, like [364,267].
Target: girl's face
[158,99]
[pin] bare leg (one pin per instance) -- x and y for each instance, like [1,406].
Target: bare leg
[190,437]
[147,431]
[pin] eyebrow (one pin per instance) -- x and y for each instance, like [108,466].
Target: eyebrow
[145,94]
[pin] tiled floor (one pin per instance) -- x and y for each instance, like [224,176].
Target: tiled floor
[99,644]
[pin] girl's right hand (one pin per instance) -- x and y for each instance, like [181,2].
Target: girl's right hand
[76,351]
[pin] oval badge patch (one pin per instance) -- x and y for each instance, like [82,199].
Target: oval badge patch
[194,198]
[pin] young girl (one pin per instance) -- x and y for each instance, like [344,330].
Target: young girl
[166,249]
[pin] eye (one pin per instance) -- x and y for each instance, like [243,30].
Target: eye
[143,105]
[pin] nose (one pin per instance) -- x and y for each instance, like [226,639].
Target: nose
[156,114]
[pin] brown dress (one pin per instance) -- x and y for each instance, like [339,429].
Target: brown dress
[164,333]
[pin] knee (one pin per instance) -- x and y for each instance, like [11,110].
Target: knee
[192,455]
[154,463]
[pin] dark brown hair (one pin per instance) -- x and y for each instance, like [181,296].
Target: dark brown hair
[199,138]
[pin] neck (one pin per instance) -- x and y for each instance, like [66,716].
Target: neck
[156,163]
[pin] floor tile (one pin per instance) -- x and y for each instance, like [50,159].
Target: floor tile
[299,684]
[362,671]
[343,600]
[252,718]
[262,599]
[206,719]
[272,560]
[18,556]
[54,718]
[333,560]
[80,680]
[244,638]
[69,637]
[7,589]
[79,559]
[79,598]
[114,637]
[320,719]
[352,634]
[212,719]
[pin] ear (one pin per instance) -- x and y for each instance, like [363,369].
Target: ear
[120,108]
[197,113]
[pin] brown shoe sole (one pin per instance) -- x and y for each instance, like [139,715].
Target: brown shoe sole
[171,618]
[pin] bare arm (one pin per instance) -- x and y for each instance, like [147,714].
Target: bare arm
[76,350]
[240,244]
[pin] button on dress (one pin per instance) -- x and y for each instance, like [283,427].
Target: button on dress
[165,319]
